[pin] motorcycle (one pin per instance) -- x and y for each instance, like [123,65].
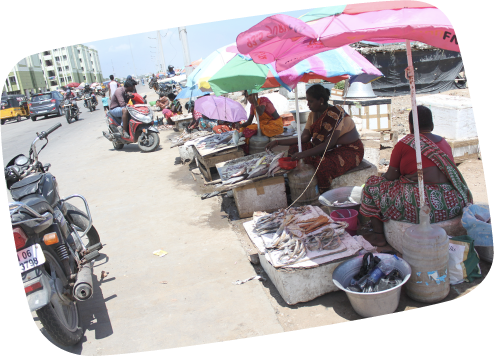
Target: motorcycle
[71,110]
[56,244]
[141,129]
[89,102]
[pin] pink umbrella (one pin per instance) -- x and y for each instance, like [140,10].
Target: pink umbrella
[220,108]
[287,40]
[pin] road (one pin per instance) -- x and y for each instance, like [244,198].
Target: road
[141,203]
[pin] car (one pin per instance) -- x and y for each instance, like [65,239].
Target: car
[44,104]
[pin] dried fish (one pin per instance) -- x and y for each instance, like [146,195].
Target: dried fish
[260,171]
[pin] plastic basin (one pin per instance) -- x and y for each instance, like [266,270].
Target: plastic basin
[349,216]
[371,304]
[287,163]
[341,195]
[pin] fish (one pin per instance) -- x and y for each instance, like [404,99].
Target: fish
[259,162]
[274,162]
[239,173]
[258,172]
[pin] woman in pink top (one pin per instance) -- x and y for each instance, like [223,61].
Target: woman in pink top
[395,195]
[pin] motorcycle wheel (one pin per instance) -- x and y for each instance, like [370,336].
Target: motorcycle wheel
[91,108]
[60,317]
[118,146]
[67,115]
[149,143]
[19,118]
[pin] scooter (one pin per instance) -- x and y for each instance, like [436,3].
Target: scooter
[141,129]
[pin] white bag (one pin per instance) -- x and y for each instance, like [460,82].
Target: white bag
[463,262]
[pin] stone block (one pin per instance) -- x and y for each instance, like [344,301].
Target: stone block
[453,115]
[395,230]
[355,177]
[372,150]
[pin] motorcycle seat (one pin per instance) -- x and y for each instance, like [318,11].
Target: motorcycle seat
[39,204]
[117,119]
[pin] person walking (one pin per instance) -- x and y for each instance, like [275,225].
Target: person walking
[113,85]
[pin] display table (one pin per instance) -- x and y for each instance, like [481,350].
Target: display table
[310,278]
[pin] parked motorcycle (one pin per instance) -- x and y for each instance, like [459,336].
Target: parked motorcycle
[71,110]
[56,244]
[141,129]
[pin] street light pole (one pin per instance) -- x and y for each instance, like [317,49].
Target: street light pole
[160,50]
[182,32]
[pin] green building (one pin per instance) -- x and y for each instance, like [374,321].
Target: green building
[26,77]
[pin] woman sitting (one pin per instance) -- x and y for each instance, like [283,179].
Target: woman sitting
[395,195]
[270,120]
[345,149]
[169,106]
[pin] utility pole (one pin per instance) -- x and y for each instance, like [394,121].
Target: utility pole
[160,51]
[133,64]
[182,32]
[113,67]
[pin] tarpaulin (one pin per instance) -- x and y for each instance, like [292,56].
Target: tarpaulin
[435,71]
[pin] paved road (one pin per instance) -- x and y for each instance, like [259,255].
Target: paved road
[142,202]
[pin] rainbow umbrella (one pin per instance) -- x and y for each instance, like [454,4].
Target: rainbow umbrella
[287,40]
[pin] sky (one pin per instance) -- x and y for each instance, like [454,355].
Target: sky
[132,54]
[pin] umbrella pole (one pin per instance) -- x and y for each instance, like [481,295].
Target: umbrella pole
[299,135]
[418,153]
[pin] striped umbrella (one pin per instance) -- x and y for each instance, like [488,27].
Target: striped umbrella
[287,40]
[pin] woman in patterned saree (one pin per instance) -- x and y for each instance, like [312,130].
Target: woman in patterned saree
[345,150]
[395,195]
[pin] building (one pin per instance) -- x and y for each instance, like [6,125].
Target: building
[69,64]
[26,77]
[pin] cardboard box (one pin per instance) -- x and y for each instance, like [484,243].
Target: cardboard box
[265,195]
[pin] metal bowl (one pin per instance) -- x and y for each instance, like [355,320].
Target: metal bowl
[341,195]
[371,304]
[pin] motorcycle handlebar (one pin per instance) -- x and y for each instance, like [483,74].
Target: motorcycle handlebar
[45,134]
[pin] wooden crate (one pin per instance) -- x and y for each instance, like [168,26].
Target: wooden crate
[376,113]
[206,162]
[264,195]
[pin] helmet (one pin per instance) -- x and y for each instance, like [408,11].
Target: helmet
[68,91]
[170,67]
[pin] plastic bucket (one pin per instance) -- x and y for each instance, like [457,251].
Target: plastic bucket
[371,304]
[349,216]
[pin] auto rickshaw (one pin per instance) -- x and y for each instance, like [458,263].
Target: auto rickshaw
[14,107]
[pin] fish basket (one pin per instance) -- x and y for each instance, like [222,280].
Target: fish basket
[371,304]
[341,195]
[287,163]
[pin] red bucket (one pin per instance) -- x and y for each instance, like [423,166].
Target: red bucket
[349,216]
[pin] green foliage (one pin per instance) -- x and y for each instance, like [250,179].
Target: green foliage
[340,85]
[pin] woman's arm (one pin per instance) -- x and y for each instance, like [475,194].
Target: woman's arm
[319,149]
[290,141]
[248,122]
[394,173]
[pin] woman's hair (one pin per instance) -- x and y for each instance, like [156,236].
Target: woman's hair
[246,97]
[171,96]
[317,91]
[424,117]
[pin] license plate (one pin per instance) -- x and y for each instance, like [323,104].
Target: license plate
[30,257]
[42,111]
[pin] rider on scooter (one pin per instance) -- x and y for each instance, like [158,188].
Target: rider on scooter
[118,106]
